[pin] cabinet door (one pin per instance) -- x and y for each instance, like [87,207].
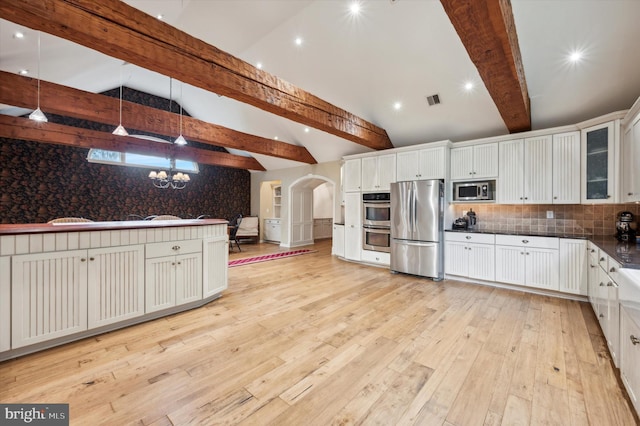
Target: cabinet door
[462,163]
[630,356]
[598,171]
[511,183]
[432,163]
[338,240]
[48,296]
[485,161]
[188,271]
[5,303]
[353,226]
[369,180]
[160,283]
[566,168]
[510,264]
[573,266]
[352,175]
[631,163]
[482,261]
[215,255]
[408,166]
[386,171]
[542,268]
[456,259]
[613,324]
[116,284]
[538,161]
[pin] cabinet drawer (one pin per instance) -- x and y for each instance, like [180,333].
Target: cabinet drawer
[470,237]
[376,257]
[528,241]
[172,248]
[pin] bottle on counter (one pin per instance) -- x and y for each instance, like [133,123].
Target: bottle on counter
[472,220]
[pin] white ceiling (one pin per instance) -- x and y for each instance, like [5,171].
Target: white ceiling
[394,51]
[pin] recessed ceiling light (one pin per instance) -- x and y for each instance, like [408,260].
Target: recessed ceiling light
[160,16]
[468,86]
[355,7]
[23,72]
[298,41]
[575,56]
[397,105]
[259,65]
[306,130]
[18,34]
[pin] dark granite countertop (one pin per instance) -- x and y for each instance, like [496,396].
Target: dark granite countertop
[627,254]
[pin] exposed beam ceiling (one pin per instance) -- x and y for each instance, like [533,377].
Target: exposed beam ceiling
[22,91]
[58,134]
[488,32]
[121,31]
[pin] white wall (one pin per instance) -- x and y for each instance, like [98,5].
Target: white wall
[330,170]
[323,201]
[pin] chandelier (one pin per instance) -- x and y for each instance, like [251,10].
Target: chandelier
[163,180]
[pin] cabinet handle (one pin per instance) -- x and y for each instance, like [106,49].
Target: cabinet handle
[521,198]
[528,253]
[82,259]
[613,269]
[555,198]
[593,251]
[468,237]
[601,315]
[608,196]
[175,248]
[521,252]
[609,284]
[629,193]
[634,340]
[601,284]
[525,241]
[173,263]
[179,263]
[602,259]
[592,266]
[92,259]
[470,173]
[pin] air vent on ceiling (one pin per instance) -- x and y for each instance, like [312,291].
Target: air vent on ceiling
[433,99]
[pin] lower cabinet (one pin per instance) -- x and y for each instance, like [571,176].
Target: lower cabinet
[470,255]
[5,303]
[352,226]
[173,279]
[573,266]
[529,261]
[48,296]
[630,353]
[338,240]
[376,257]
[272,231]
[322,228]
[215,256]
[117,291]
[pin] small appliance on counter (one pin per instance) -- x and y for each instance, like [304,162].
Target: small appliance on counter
[460,223]
[472,220]
[626,227]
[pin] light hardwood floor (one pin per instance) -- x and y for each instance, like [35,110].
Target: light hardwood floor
[313,340]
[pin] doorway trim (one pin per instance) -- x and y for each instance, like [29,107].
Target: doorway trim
[290,190]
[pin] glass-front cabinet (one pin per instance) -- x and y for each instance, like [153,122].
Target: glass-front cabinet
[599,165]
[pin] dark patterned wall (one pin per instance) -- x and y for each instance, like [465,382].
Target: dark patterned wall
[40,182]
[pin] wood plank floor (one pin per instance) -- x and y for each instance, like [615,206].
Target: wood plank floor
[313,340]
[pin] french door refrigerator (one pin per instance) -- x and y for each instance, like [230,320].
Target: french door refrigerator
[417,245]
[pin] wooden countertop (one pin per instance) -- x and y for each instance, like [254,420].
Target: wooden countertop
[37,228]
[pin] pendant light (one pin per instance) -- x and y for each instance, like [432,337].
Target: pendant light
[120,130]
[38,115]
[180,140]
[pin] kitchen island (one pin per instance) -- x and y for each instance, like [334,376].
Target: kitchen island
[63,282]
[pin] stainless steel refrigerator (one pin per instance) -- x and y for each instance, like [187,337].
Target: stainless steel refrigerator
[417,245]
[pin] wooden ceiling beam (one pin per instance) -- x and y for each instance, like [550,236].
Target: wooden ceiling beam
[24,129]
[121,31]
[22,92]
[488,32]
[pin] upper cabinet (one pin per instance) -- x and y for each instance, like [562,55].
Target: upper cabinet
[599,165]
[631,160]
[423,164]
[474,162]
[378,172]
[566,168]
[277,200]
[352,175]
[525,171]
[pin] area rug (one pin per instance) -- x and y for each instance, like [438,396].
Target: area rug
[266,257]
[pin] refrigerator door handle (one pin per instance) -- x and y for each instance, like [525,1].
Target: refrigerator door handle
[415,243]
[414,207]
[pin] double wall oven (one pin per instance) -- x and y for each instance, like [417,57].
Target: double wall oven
[376,221]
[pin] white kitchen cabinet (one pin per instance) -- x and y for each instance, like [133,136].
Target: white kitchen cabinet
[600,166]
[276,192]
[630,353]
[378,172]
[631,162]
[5,303]
[470,255]
[272,230]
[593,275]
[48,296]
[526,171]
[527,260]
[423,164]
[172,279]
[566,168]
[337,243]
[573,266]
[375,257]
[215,256]
[474,162]
[352,175]
[116,292]
[352,226]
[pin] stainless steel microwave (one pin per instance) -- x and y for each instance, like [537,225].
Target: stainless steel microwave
[474,191]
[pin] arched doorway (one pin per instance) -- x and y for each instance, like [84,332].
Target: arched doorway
[301,206]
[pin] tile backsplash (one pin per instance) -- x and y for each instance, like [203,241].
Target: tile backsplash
[587,219]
